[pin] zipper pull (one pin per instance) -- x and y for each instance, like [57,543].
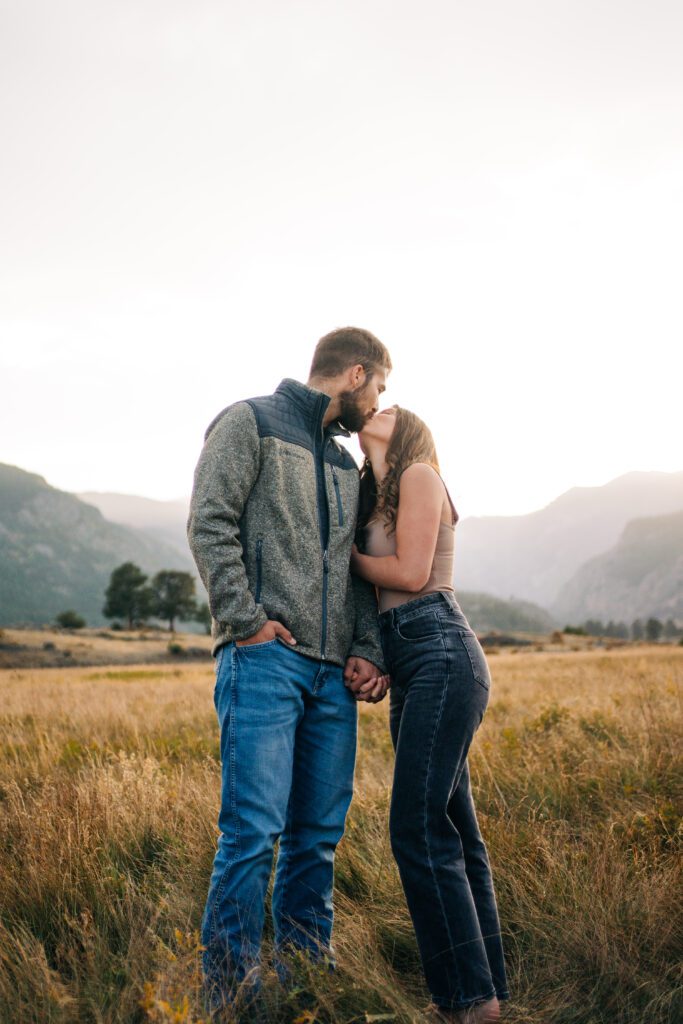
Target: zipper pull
[326,560]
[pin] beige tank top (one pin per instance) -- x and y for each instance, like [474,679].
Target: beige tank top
[379,544]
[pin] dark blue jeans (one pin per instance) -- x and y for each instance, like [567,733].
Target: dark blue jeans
[288,746]
[439,692]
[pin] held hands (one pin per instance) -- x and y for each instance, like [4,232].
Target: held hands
[269,631]
[362,678]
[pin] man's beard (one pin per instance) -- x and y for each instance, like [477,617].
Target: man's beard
[352,416]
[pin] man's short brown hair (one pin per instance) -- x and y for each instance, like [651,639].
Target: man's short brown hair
[349,346]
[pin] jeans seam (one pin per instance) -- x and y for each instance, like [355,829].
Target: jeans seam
[426,832]
[285,880]
[233,794]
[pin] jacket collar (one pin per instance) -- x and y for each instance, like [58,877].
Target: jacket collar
[312,404]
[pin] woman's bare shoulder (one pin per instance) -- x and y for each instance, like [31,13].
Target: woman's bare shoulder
[421,474]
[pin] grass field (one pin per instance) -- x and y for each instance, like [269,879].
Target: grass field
[61,648]
[109,786]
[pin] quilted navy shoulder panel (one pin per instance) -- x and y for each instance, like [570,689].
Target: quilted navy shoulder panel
[337,455]
[276,417]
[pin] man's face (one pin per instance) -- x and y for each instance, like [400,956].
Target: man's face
[360,404]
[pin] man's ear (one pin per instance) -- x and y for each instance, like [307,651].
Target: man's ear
[357,376]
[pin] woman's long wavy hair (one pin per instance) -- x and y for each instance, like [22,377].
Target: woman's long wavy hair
[410,442]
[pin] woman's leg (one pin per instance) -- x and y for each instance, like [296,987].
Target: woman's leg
[462,813]
[442,708]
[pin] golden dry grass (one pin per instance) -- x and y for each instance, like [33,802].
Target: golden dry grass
[109,787]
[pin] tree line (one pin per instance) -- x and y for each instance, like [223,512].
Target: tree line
[132,596]
[651,629]
[168,596]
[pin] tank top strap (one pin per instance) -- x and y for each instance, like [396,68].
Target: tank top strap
[450,501]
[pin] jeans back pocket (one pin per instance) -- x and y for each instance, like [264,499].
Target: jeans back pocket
[475,653]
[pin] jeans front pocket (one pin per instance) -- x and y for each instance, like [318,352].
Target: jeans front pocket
[423,625]
[219,659]
[475,653]
[256,647]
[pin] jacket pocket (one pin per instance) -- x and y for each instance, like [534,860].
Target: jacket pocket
[259,569]
[337,491]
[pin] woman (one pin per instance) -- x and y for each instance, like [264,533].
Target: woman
[439,692]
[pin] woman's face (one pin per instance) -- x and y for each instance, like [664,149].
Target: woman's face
[379,428]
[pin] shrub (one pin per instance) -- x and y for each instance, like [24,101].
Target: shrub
[70,620]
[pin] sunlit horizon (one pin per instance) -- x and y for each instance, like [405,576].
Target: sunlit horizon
[192,196]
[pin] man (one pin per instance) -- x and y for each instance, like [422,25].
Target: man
[271,525]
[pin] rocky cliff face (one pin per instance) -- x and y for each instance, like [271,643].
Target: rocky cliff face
[642,575]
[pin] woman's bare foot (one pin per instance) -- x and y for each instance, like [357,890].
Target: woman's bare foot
[483,1013]
[441,1016]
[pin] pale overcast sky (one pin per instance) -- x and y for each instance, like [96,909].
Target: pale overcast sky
[191,193]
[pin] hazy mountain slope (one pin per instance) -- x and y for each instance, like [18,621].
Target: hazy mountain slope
[641,576]
[533,556]
[485,613]
[56,552]
[164,520]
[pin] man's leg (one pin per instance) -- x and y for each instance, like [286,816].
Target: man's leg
[259,703]
[322,788]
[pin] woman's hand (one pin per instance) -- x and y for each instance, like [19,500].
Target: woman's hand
[356,561]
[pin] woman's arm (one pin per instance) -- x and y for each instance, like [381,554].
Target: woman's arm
[417,529]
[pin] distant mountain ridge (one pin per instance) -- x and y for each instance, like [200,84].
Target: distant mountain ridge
[57,552]
[579,557]
[528,557]
[533,556]
[486,613]
[641,576]
[163,520]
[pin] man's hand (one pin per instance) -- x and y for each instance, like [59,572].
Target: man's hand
[364,681]
[269,631]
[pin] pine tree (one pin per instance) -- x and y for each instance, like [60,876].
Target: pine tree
[173,596]
[653,630]
[127,596]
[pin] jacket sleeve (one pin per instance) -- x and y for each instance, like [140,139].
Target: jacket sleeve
[225,475]
[366,637]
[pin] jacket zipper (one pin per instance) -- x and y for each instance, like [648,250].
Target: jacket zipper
[259,562]
[340,510]
[321,495]
[326,575]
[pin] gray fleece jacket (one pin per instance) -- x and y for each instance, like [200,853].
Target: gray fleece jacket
[272,520]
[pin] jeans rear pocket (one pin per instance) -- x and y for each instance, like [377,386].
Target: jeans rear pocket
[475,653]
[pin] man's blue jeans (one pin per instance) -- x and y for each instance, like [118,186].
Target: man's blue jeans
[288,747]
